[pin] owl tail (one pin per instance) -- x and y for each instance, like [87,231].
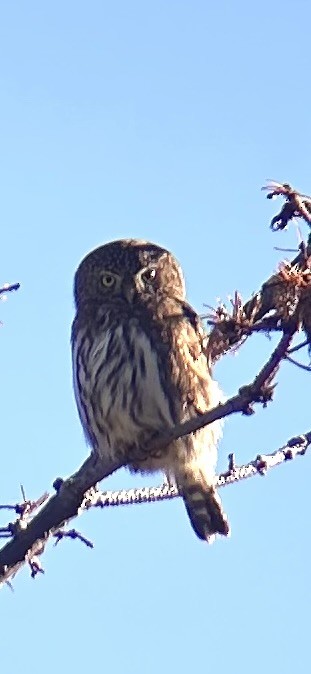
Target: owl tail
[204,507]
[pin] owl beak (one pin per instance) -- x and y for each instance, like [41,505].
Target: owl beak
[129,291]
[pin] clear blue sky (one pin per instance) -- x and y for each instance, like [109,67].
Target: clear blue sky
[158,120]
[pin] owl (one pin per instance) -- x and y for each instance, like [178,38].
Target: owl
[139,368]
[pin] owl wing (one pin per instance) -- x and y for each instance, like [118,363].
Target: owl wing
[190,367]
[194,467]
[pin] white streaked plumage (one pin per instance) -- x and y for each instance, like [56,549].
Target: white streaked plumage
[140,367]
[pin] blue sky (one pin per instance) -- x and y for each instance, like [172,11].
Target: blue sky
[158,120]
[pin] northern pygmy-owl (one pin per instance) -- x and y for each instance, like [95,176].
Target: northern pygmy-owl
[139,369]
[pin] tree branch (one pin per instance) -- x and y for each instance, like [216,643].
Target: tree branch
[29,541]
[7,287]
[296,204]
[286,295]
[296,446]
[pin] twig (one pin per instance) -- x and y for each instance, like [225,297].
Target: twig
[6,532]
[8,287]
[286,250]
[298,347]
[306,368]
[296,204]
[8,506]
[35,566]
[74,535]
[285,293]
[245,327]
[27,507]
[296,446]
[60,508]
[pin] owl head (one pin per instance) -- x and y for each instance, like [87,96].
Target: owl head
[127,270]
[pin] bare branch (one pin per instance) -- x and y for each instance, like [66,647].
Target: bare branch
[306,368]
[296,446]
[74,535]
[284,293]
[298,347]
[29,541]
[283,299]
[297,205]
[7,287]
[63,506]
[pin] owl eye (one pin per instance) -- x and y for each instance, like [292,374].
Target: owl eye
[149,275]
[108,280]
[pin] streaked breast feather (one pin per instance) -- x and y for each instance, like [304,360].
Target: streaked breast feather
[118,386]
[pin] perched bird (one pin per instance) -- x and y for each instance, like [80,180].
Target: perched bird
[139,368]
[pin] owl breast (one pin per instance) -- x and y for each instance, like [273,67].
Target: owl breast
[118,388]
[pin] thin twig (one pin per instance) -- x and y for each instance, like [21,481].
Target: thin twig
[298,347]
[296,446]
[296,204]
[8,287]
[8,506]
[35,566]
[74,535]
[306,368]
[285,250]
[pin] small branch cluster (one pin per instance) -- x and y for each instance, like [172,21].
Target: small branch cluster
[283,300]
[8,288]
[73,535]
[296,204]
[25,511]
